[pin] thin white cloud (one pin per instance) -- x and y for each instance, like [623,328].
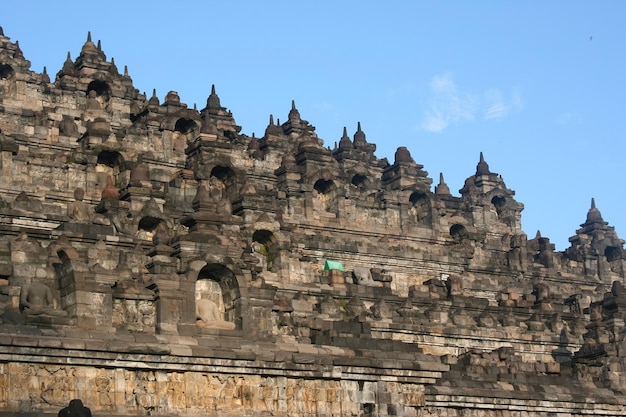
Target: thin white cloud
[494,105]
[448,105]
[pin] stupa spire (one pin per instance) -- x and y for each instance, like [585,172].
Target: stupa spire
[213,102]
[594,215]
[359,136]
[345,142]
[154,100]
[442,188]
[294,114]
[482,168]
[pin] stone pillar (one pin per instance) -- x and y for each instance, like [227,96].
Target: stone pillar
[175,306]
[85,300]
[336,277]
[6,159]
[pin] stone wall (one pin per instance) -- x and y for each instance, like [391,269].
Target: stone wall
[156,261]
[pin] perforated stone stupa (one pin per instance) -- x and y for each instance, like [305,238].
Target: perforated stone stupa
[156,261]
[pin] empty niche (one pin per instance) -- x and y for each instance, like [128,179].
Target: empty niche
[612,253]
[359,180]
[458,232]
[6,71]
[149,223]
[498,203]
[185,126]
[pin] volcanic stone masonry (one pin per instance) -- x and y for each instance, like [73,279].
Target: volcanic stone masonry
[156,261]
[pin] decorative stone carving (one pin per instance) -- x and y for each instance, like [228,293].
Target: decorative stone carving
[208,315]
[541,292]
[92,101]
[454,284]
[136,341]
[77,210]
[355,307]
[408,310]
[328,306]
[36,298]
[81,213]
[26,203]
[110,192]
[542,297]
[595,312]
[67,127]
[363,276]
[380,310]
[216,188]
[259,251]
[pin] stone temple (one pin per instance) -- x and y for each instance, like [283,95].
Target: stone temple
[156,261]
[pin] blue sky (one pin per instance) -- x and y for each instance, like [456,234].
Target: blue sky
[537,86]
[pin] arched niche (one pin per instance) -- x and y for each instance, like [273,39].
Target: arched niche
[223,173]
[498,203]
[458,232]
[359,180]
[147,227]
[109,163]
[264,245]
[184,132]
[420,208]
[6,71]
[111,159]
[100,91]
[324,191]
[323,186]
[224,178]
[101,88]
[185,126]
[150,219]
[613,253]
[218,283]
[207,288]
[149,223]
